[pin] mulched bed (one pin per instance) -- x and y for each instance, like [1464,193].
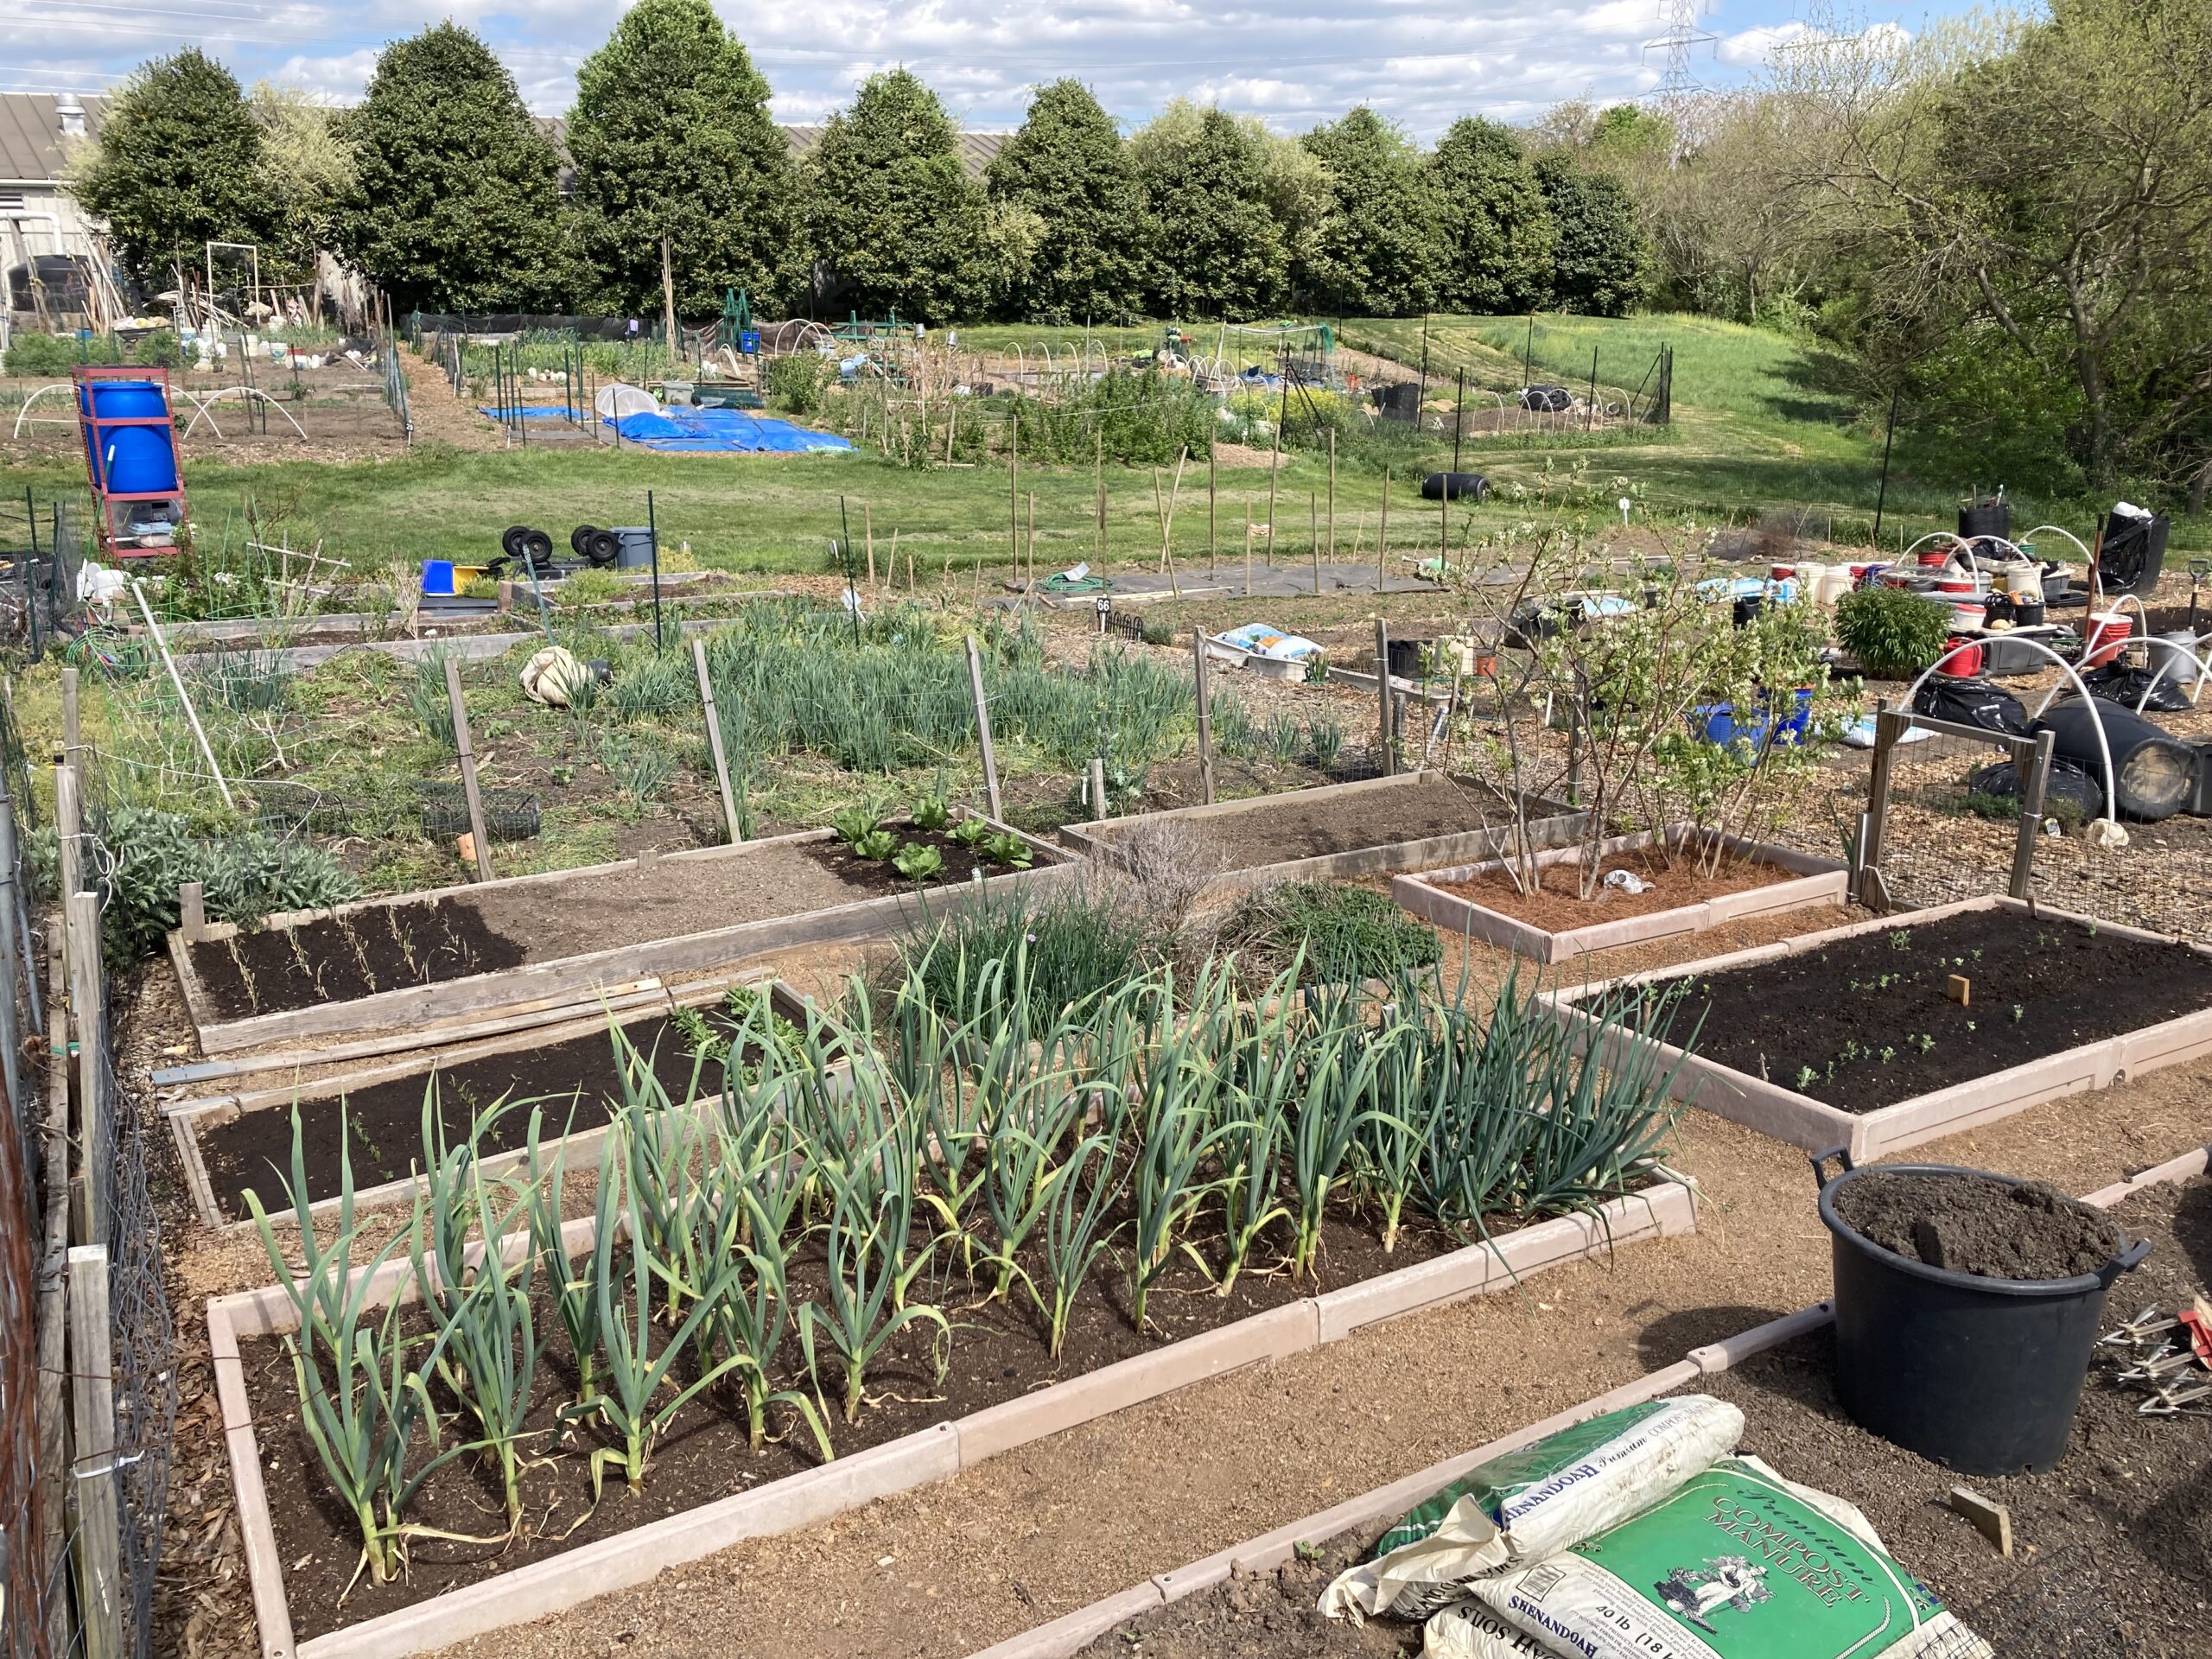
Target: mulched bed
[998,1353]
[1866,1022]
[2131,1502]
[389,947]
[383,1123]
[1557,906]
[1303,825]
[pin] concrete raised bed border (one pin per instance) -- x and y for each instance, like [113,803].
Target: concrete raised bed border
[1802,1121]
[188,1118]
[1549,824]
[932,1454]
[1818,881]
[586,974]
[1067,1636]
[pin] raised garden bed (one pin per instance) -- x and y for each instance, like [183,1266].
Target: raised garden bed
[707,1489]
[1254,1599]
[1553,924]
[1848,1037]
[1416,820]
[374,1114]
[470,950]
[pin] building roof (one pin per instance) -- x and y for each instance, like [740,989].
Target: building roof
[30,135]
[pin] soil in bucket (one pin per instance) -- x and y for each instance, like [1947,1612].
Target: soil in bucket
[1967,1223]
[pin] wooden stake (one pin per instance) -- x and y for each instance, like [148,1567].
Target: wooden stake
[1098,789]
[191,713]
[1275,461]
[71,735]
[192,910]
[668,303]
[68,827]
[1098,485]
[983,729]
[1332,494]
[714,740]
[868,535]
[1382,694]
[1031,589]
[468,771]
[82,913]
[92,1387]
[1248,547]
[1213,539]
[1013,499]
[1313,538]
[1383,535]
[1206,714]
[2033,791]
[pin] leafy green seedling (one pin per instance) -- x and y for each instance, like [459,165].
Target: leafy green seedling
[918,862]
[876,844]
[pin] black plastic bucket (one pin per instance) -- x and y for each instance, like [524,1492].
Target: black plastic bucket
[1979,1374]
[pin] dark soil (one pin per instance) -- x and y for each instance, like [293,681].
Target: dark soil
[579,1081]
[2119,1531]
[997,1353]
[389,947]
[1301,825]
[1557,904]
[1866,1022]
[336,958]
[1971,1223]
[1265,1616]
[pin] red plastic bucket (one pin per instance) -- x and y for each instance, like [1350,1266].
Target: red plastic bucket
[2106,636]
[1962,658]
[1935,559]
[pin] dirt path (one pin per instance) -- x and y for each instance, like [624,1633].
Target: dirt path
[441,418]
[1024,1538]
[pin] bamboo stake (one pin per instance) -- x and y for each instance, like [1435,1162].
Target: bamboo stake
[1332,494]
[207,753]
[714,739]
[1313,538]
[1031,589]
[1014,498]
[868,534]
[1213,539]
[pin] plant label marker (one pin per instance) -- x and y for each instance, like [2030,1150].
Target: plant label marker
[482,848]
[1959,989]
[714,740]
[1993,1520]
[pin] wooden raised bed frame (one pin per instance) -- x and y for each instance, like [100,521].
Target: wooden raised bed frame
[187,1118]
[561,1581]
[1816,881]
[570,979]
[1802,1121]
[1549,822]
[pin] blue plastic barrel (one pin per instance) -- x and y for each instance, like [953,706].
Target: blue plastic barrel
[129,460]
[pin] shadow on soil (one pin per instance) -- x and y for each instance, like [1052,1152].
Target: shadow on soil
[1666,1339]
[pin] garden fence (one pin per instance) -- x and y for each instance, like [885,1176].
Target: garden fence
[42,540]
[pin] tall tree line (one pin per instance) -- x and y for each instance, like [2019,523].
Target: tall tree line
[442,189]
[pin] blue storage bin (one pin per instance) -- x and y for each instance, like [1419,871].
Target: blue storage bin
[437,577]
[1716,722]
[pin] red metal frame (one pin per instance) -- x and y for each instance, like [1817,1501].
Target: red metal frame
[105,501]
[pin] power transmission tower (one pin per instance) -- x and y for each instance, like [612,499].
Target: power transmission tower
[1680,36]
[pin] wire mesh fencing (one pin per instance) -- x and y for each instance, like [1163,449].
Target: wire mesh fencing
[142,1339]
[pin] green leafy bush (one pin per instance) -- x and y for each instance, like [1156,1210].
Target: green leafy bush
[795,383]
[147,854]
[56,354]
[1347,932]
[1893,633]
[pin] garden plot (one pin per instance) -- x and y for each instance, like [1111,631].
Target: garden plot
[1418,819]
[473,949]
[1858,1036]
[1094,1240]
[572,1073]
[1554,922]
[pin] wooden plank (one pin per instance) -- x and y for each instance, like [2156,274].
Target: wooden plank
[483,842]
[192,910]
[53,1306]
[983,729]
[1890,726]
[2035,790]
[99,1515]
[69,828]
[714,739]
[87,1020]
[71,728]
[2017,747]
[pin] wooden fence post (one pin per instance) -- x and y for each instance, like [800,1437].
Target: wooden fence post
[1098,789]
[83,911]
[2034,788]
[1206,714]
[1890,726]
[72,727]
[68,827]
[192,910]
[714,739]
[468,769]
[92,1376]
[1382,695]
[983,730]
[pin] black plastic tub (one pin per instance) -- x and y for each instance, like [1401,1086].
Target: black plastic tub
[1979,1374]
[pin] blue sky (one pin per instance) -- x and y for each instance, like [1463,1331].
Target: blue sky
[1421,62]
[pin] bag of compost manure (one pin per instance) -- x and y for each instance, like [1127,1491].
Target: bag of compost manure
[1467,1629]
[1738,1563]
[1536,1501]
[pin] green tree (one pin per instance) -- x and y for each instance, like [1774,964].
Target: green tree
[893,215]
[1497,229]
[455,204]
[1598,260]
[1220,250]
[178,165]
[1378,249]
[306,173]
[670,136]
[1068,166]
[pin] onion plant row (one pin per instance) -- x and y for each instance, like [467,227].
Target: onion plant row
[761,1239]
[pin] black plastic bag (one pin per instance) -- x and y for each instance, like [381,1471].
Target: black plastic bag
[1971,703]
[2116,683]
[2075,795]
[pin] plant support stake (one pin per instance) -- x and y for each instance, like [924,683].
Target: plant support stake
[983,729]
[714,740]
[468,771]
[652,540]
[138,592]
[1206,714]
[1382,695]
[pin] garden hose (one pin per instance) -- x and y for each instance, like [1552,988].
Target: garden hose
[1061,583]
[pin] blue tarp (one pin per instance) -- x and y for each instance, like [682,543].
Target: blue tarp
[531,412]
[721,431]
